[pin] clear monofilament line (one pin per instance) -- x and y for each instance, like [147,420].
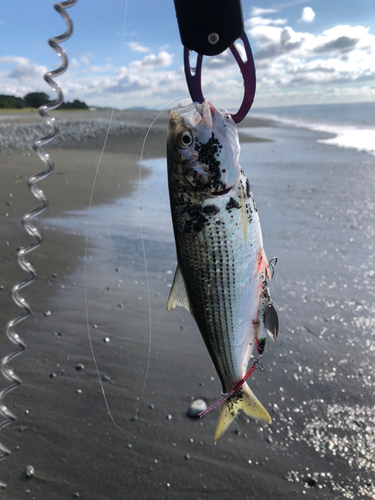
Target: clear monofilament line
[87,234]
[6,371]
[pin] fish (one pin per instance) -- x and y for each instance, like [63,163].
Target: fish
[221,264]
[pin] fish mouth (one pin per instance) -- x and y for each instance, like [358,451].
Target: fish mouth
[221,193]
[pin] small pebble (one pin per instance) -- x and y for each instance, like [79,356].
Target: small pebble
[238,432]
[76,495]
[47,313]
[105,378]
[195,408]
[187,456]
[79,391]
[29,471]
[169,416]
[152,407]
[54,275]
[2,287]
[22,428]
[53,375]
[106,339]
[80,367]
[121,305]
[95,326]
[129,446]
[309,480]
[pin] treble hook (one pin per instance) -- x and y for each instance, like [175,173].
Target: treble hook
[210,35]
[272,263]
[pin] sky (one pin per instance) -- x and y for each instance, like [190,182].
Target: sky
[305,51]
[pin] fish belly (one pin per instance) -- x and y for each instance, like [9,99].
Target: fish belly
[223,278]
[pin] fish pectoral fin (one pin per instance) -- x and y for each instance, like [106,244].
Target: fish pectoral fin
[178,295]
[245,400]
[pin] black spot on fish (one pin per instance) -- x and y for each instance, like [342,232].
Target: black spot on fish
[232,203]
[196,221]
[211,210]
[248,190]
[207,155]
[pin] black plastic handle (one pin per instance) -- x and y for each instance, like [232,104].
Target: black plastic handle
[209,26]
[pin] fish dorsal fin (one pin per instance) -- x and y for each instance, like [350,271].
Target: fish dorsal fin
[178,295]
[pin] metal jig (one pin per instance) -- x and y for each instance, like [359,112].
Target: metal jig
[6,371]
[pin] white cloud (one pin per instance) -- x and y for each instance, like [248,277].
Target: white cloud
[19,75]
[27,70]
[74,63]
[261,21]
[308,15]
[291,62]
[162,59]
[293,67]
[137,47]
[256,11]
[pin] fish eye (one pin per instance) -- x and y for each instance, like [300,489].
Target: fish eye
[185,140]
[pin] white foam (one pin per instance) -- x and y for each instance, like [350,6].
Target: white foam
[345,136]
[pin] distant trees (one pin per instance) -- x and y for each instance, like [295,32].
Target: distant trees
[76,104]
[35,100]
[11,102]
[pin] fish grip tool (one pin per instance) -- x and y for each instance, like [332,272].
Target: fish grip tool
[209,27]
[32,230]
[256,364]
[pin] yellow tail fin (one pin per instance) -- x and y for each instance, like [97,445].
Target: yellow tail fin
[245,400]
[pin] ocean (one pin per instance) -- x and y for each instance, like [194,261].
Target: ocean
[352,125]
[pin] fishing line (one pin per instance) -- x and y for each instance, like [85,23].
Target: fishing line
[87,233]
[144,251]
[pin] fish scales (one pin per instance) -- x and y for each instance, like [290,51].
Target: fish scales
[221,262]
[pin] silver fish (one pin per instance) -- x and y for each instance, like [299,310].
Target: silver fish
[221,272]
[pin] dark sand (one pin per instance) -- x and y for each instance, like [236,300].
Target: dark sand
[316,208]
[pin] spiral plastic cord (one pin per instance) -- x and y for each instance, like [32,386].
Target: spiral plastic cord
[6,371]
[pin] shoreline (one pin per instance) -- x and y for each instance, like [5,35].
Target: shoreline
[301,188]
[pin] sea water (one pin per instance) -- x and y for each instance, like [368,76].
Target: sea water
[352,125]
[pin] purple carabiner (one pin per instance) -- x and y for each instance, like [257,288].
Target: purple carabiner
[194,81]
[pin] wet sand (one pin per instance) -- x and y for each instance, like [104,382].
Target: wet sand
[316,208]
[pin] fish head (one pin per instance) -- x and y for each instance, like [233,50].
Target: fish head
[204,145]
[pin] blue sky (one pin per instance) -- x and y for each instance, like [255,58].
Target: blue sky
[306,52]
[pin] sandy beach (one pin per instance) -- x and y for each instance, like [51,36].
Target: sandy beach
[315,203]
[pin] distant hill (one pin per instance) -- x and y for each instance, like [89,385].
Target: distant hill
[35,100]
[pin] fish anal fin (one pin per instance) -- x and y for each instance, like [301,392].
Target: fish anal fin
[178,295]
[245,400]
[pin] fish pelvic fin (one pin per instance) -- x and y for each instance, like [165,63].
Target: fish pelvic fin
[245,400]
[178,295]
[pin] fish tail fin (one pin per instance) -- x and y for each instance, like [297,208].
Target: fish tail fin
[245,400]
